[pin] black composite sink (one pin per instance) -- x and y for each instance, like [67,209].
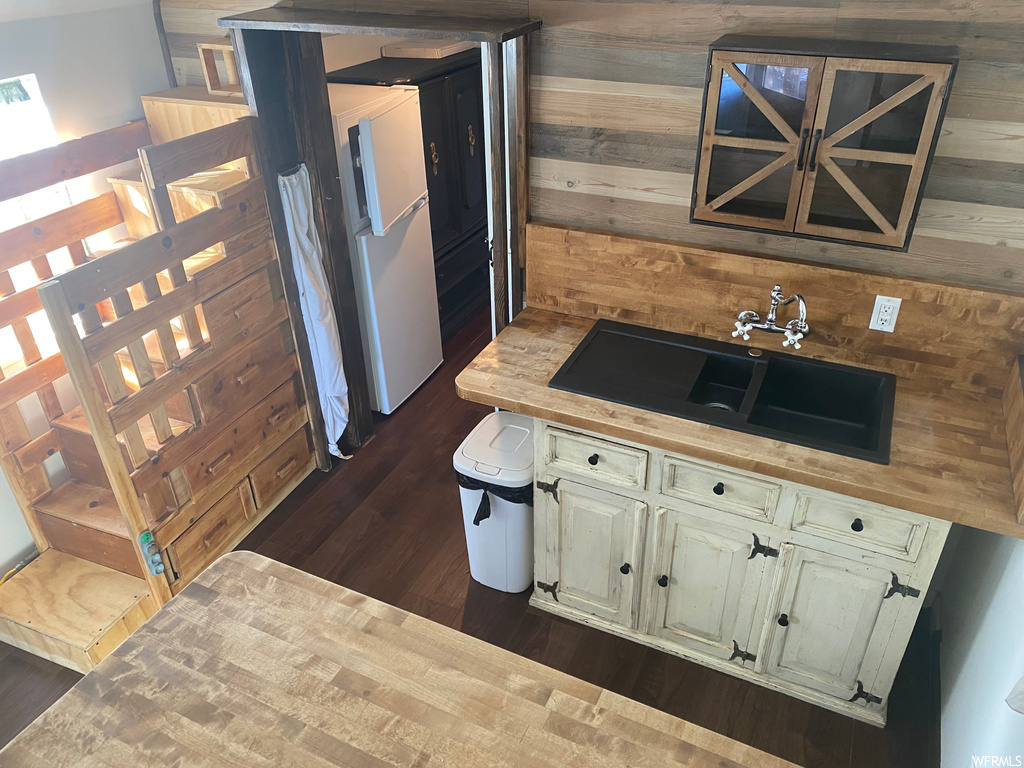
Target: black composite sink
[831,407]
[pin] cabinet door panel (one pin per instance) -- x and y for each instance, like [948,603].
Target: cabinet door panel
[758,116]
[467,93]
[715,593]
[872,136]
[838,621]
[435,110]
[590,535]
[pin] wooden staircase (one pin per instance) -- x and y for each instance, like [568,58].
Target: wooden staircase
[174,357]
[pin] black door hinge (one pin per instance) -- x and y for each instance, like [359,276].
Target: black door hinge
[741,655]
[900,589]
[869,698]
[551,589]
[551,488]
[761,549]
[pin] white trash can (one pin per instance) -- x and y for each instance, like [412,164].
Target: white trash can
[494,469]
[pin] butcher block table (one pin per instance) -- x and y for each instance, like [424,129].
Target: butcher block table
[258,664]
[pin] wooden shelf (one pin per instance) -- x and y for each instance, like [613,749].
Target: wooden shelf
[70,610]
[388,25]
[87,505]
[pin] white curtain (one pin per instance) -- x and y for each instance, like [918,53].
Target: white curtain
[317,307]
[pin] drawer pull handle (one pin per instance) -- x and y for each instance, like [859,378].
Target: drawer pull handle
[248,374]
[277,414]
[625,569]
[209,536]
[857,525]
[592,461]
[663,581]
[719,489]
[213,465]
[286,468]
[783,620]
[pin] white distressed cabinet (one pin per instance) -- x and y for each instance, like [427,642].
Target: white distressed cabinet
[801,590]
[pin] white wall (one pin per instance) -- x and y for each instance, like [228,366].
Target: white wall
[92,68]
[982,650]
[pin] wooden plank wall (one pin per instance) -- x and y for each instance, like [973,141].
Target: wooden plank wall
[616,96]
[615,106]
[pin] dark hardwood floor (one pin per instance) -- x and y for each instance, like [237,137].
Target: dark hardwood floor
[388,523]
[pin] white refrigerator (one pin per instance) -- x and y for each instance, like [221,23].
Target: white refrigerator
[380,152]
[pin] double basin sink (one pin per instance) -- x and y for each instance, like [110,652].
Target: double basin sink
[830,407]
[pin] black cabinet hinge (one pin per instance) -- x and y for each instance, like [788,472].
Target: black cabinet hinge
[551,589]
[551,488]
[900,589]
[869,698]
[761,549]
[741,655]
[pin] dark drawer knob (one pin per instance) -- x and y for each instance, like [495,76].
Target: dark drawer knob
[857,525]
[783,620]
[719,489]
[663,581]
[592,461]
[624,569]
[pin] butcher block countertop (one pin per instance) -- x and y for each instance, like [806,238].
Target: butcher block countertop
[949,456]
[256,665]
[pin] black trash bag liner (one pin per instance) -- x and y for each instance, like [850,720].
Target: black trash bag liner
[521,495]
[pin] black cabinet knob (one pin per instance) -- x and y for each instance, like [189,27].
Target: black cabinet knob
[593,460]
[857,525]
[663,581]
[783,620]
[719,489]
[624,569]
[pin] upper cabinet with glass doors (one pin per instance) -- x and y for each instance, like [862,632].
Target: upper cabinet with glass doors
[820,138]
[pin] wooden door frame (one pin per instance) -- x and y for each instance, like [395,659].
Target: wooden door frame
[790,148]
[931,74]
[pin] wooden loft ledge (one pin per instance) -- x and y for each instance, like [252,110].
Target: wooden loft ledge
[334,22]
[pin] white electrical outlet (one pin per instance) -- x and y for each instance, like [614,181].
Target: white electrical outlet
[883,318]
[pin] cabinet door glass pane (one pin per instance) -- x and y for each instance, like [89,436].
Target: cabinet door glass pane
[785,90]
[883,184]
[768,198]
[895,130]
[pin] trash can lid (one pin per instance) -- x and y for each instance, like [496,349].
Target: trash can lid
[499,450]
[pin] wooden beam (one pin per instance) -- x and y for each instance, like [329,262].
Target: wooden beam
[517,119]
[27,173]
[189,155]
[282,76]
[497,217]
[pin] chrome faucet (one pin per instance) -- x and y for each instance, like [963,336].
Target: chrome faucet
[794,329]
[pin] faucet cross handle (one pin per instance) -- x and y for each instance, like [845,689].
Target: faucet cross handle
[792,339]
[742,329]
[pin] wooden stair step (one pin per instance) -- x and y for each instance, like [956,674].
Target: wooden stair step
[87,505]
[75,420]
[71,611]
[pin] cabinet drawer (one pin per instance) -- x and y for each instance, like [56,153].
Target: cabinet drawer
[284,465]
[719,488]
[232,453]
[463,259]
[211,535]
[567,453]
[884,530]
[234,311]
[247,377]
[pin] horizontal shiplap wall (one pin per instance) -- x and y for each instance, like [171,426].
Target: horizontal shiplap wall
[616,93]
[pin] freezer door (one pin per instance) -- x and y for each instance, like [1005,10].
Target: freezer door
[390,143]
[403,329]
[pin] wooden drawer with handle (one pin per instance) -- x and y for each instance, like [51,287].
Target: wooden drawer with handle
[246,377]
[884,530]
[719,488]
[582,456]
[284,465]
[234,311]
[211,535]
[235,451]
